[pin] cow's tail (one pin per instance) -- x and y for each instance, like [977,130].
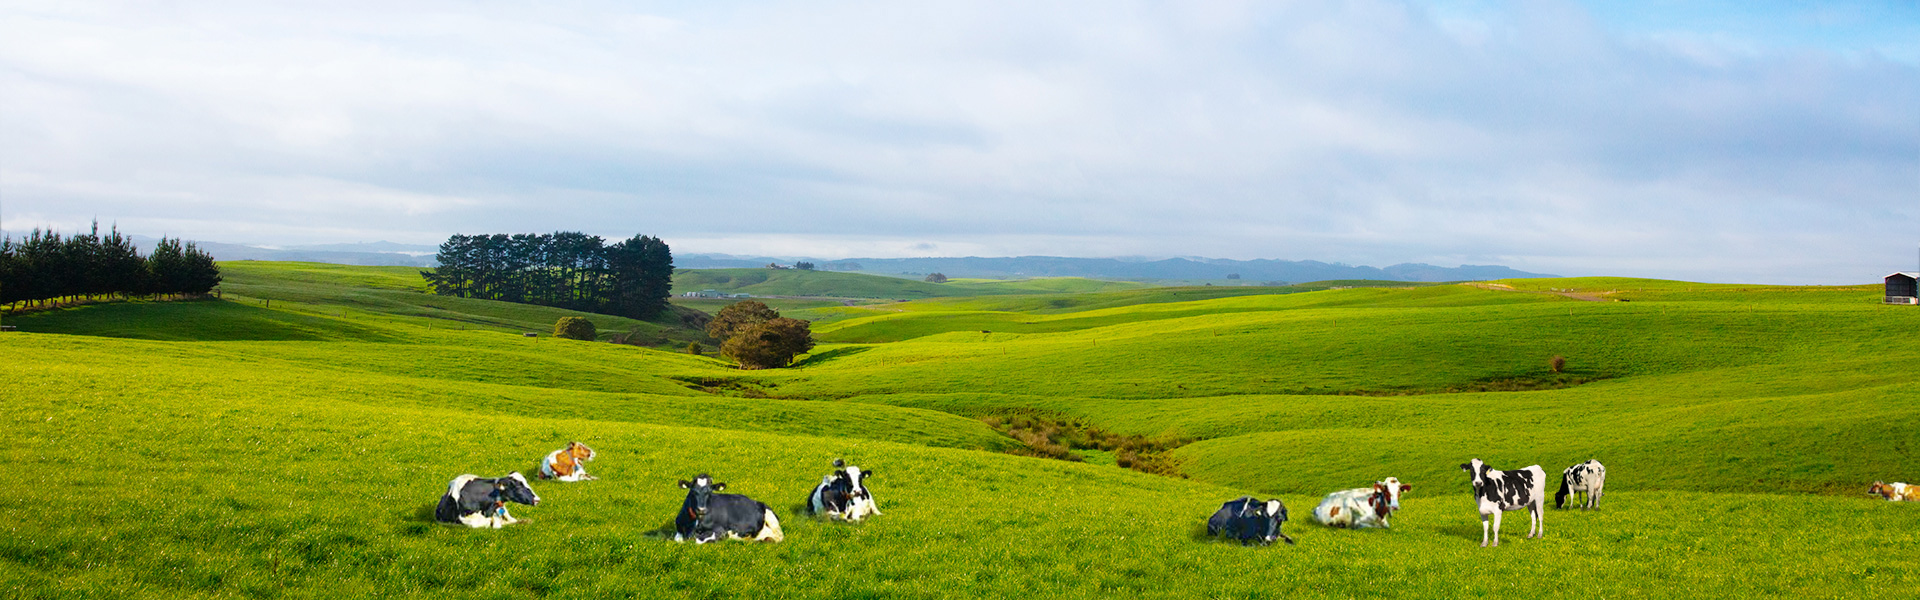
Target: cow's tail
[1560,497]
[770,530]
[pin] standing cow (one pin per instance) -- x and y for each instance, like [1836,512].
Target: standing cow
[1249,521]
[1499,491]
[1362,507]
[706,516]
[843,494]
[477,502]
[1585,478]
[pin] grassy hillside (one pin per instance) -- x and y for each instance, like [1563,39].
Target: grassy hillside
[793,282]
[232,448]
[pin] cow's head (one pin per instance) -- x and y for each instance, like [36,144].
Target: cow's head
[858,479]
[1881,489]
[1274,508]
[514,488]
[1387,495]
[700,493]
[580,451]
[1477,470]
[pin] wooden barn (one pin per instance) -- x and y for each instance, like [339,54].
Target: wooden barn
[1901,288]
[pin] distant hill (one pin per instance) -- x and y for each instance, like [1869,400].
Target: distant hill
[1114,268]
[794,282]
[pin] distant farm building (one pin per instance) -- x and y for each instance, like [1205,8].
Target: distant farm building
[705,294]
[1901,288]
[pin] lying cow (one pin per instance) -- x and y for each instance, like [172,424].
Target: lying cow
[1249,521]
[1361,507]
[1585,478]
[843,494]
[1896,491]
[477,502]
[706,516]
[1499,491]
[567,464]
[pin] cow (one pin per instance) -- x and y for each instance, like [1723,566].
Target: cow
[1499,491]
[567,464]
[1896,491]
[1362,507]
[1249,521]
[706,516]
[477,502]
[843,494]
[1585,478]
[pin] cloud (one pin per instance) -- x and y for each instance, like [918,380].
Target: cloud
[1536,135]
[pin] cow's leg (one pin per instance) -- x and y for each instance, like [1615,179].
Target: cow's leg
[1537,520]
[1483,529]
[1496,526]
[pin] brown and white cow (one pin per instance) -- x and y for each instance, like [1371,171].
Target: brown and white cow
[1896,491]
[1362,507]
[567,464]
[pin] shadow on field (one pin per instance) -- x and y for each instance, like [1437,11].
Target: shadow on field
[821,358]
[1467,531]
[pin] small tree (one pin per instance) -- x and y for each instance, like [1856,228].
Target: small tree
[804,266]
[1559,363]
[575,328]
[768,345]
[738,316]
[937,278]
[695,348]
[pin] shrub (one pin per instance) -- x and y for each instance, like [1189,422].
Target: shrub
[1559,363]
[770,344]
[695,348]
[575,328]
[937,278]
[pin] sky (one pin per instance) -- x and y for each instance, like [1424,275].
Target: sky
[1756,141]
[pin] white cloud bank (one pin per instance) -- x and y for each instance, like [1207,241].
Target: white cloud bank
[1366,132]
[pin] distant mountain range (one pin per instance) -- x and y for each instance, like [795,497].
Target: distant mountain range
[1185,268]
[1260,270]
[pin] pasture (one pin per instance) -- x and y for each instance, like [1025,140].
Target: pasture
[239,449]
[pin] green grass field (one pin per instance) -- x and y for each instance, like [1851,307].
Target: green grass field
[291,439]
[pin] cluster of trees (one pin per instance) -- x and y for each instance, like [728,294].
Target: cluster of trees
[565,269]
[937,278]
[45,268]
[757,337]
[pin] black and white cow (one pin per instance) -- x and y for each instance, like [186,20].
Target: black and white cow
[1249,521]
[843,494]
[477,502]
[1585,478]
[1499,491]
[706,516]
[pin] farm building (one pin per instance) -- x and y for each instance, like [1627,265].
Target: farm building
[705,294]
[1901,288]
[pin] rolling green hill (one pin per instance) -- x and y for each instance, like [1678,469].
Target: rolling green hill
[794,282]
[240,448]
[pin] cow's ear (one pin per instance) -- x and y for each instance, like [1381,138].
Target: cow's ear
[684,484]
[718,486]
[1379,488]
[866,475]
[1468,467]
[1404,487]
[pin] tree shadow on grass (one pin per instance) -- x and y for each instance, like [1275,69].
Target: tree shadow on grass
[821,358]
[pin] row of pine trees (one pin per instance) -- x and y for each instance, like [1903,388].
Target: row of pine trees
[45,268]
[568,269]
